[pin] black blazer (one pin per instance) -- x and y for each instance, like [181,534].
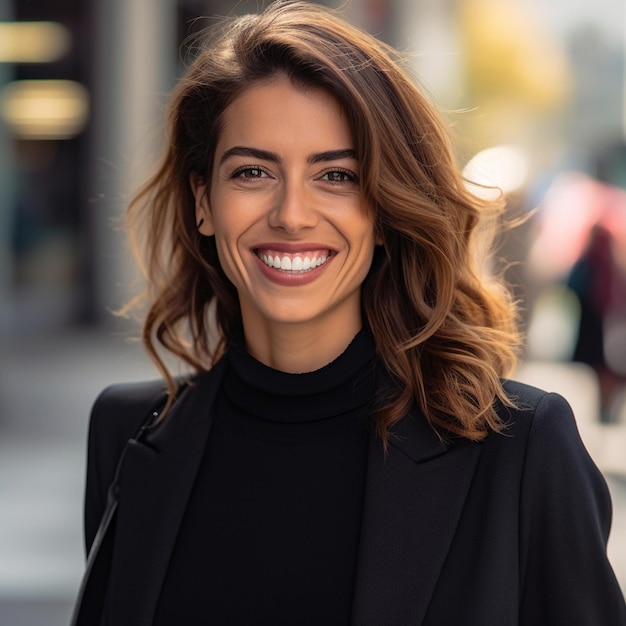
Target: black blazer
[512,530]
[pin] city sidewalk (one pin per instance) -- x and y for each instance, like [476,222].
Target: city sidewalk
[47,385]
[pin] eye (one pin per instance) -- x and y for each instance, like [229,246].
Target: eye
[248,171]
[339,175]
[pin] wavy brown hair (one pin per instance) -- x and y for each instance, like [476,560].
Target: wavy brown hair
[445,334]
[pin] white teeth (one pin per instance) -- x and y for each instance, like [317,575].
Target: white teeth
[295,264]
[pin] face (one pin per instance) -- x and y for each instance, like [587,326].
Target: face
[292,232]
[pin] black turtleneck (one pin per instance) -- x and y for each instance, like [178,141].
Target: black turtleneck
[271,532]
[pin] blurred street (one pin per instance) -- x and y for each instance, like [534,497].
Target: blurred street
[47,385]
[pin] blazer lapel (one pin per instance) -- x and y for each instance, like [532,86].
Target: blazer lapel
[413,501]
[156,480]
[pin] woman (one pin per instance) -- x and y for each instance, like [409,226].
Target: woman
[346,451]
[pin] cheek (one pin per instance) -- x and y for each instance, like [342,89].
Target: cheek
[226,247]
[229,252]
[363,248]
[228,264]
[369,238]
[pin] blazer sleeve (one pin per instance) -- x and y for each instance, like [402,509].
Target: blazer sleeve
[566,513]
[116,416]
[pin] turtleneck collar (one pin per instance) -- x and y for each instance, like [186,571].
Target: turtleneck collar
[343,385]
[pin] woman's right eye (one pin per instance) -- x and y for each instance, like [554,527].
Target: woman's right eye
[249,172]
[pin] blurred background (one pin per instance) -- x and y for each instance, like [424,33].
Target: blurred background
[534,92]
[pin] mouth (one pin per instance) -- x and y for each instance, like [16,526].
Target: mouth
[294,263]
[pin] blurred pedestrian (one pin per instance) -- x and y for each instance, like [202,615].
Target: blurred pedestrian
[595,281]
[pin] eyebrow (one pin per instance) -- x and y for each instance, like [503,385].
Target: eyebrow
[266,155]
[332,155]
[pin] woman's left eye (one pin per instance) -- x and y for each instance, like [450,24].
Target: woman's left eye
[340,176]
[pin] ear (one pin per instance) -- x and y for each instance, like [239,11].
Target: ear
[204,218]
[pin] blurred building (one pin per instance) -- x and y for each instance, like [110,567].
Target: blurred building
[45,51]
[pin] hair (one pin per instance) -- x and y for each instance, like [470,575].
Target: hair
[445,331]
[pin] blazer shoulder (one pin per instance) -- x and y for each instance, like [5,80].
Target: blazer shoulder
[543,428]
[122,408]
[532,404]
[117,414]
[537,419]
[526,397]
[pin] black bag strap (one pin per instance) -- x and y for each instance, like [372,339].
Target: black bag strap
[89,605]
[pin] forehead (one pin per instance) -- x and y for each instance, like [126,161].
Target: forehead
[277,110]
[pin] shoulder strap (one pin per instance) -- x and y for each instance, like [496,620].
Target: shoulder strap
[89,605]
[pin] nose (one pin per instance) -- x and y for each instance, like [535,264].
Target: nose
[293,210]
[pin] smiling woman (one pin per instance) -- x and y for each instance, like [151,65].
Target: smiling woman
[299,204]
[346,449]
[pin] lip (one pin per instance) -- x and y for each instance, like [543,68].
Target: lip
[294,248]
[292,279]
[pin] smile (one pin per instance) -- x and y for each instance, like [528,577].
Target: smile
[299,263]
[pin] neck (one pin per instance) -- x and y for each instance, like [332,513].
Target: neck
[293,349]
